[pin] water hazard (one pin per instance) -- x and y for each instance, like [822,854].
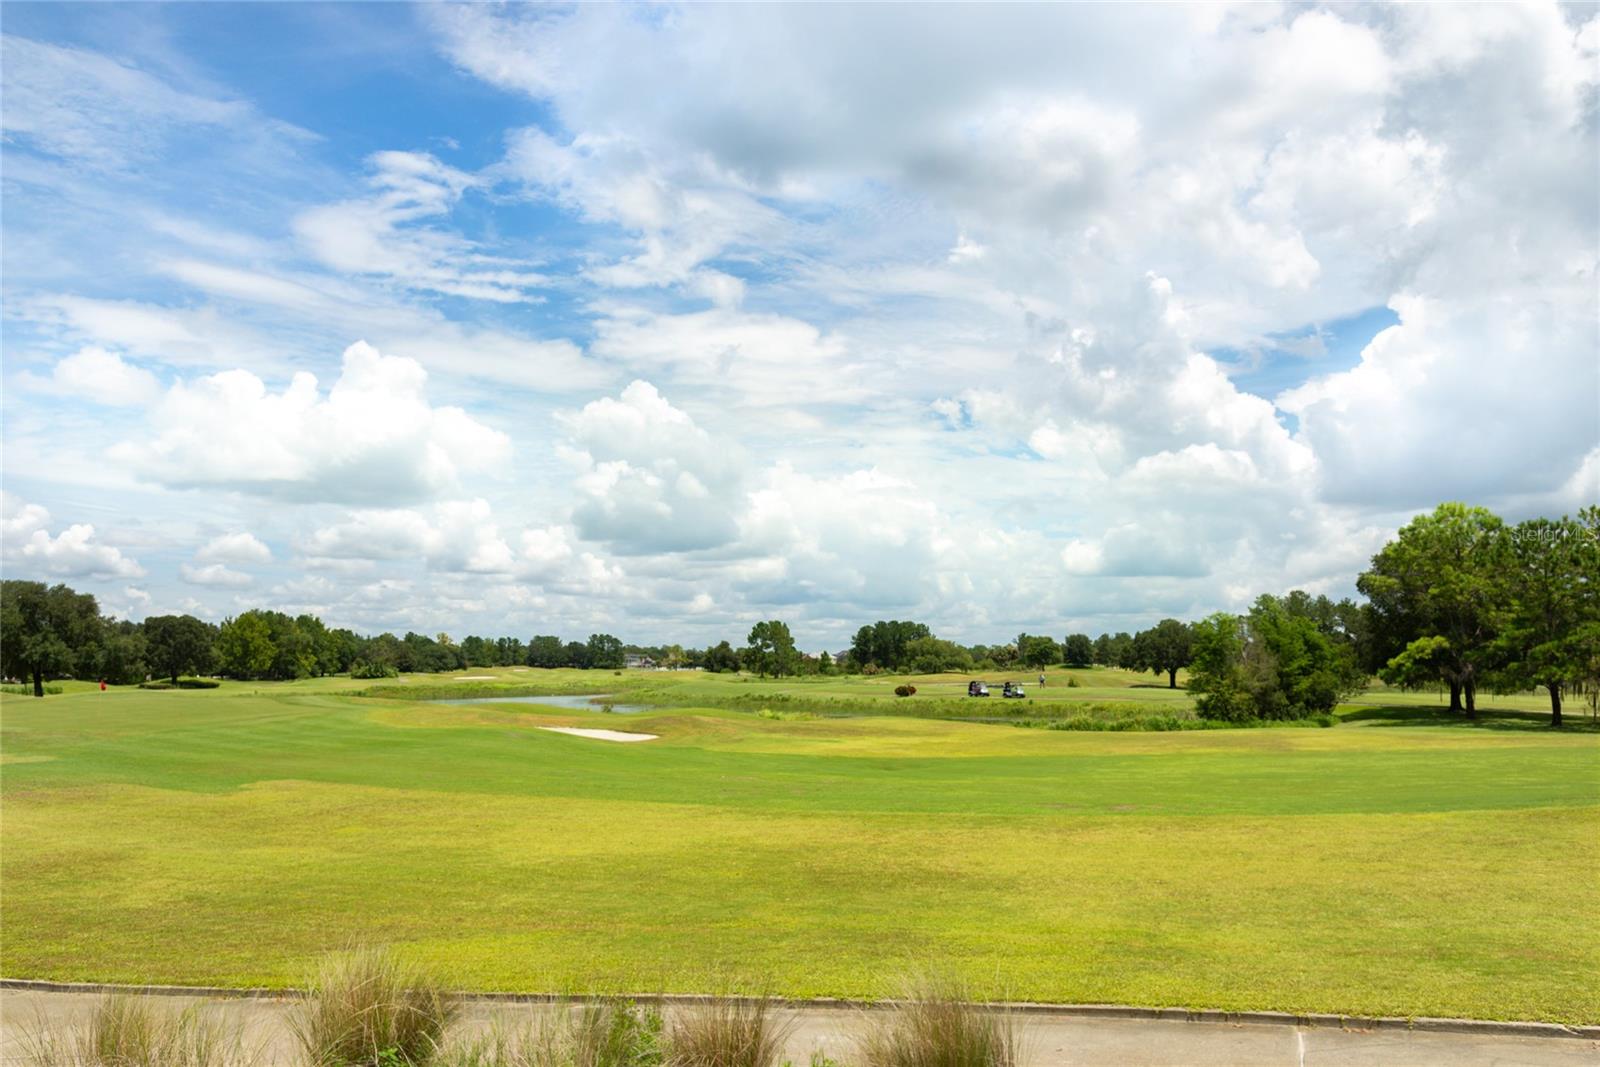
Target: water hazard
[586,702]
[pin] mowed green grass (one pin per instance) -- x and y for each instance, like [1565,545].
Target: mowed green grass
[232,836]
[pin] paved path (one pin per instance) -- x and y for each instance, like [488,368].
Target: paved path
[1049,1040]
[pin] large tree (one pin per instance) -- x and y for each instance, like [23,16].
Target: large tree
[1165,648]
[1435,592]
[933,655]
[606,652]
[178,644]
[1275,663]
[546,650]
[1037,650]
[1078,651]
[46,631]
[244,646]
[123,654]
[884,643]
[1549,621]
[771,649]
[721,658]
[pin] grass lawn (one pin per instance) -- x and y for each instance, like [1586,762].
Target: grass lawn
[231,836]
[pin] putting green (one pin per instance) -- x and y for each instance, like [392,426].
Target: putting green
[231,836]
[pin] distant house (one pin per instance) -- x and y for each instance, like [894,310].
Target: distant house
[638,663]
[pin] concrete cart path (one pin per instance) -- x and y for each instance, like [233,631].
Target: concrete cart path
[1049,1040]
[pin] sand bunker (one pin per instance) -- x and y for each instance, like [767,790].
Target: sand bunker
[599,735]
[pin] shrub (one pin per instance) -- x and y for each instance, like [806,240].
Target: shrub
[786,716]
[935,1026]
[127,1031]
[727,1033]
[1072,683]
[27,690]
[365,1008]
[198,683]
[905,690]
[363,669]
[155,685]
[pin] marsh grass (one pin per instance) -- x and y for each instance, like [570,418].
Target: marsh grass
[935,1025]
[130,1031]
[732,1032]
[367,1008]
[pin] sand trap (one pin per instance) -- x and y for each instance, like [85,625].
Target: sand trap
[599,735]
[474,678]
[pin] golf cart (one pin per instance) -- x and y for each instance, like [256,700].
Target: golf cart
[1013,689]
[977,689]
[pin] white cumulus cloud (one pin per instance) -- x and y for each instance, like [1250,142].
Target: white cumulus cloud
[375,436]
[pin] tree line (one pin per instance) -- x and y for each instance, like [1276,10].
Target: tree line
[1457,599]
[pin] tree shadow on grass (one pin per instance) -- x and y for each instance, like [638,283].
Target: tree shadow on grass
[1575,721]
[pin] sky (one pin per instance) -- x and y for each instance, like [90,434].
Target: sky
[661,320]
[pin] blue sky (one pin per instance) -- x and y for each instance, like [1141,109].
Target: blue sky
[662,320]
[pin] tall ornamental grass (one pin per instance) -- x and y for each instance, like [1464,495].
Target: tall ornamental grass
[367,1008]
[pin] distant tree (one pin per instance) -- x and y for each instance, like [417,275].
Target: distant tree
[1124,653]
[346,645]
[721,658]
[384,652]
[771,649]
[1078,650]
[884,643]
[1435,591]
[1165,648]
[825,664]
[933,655]
[576,654]
[45,631]
[419,652]
[122,654]
[320,643]
[449,655]
[509,652]
[1103,654]
[1037,650]
[545,650]
[178,644]
[1548,625]
[605,652]
[477,652]
[244,647]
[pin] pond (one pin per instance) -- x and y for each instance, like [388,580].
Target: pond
[585,702]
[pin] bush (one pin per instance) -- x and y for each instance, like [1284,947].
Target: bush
[905,690]
[365,1008]
[935,1026]
[127,1031]
[27,690]
[1072,683]
[727,1033]
[362,669]
[198,683]
[156,685]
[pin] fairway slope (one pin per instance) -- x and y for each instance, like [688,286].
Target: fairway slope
[231,837]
